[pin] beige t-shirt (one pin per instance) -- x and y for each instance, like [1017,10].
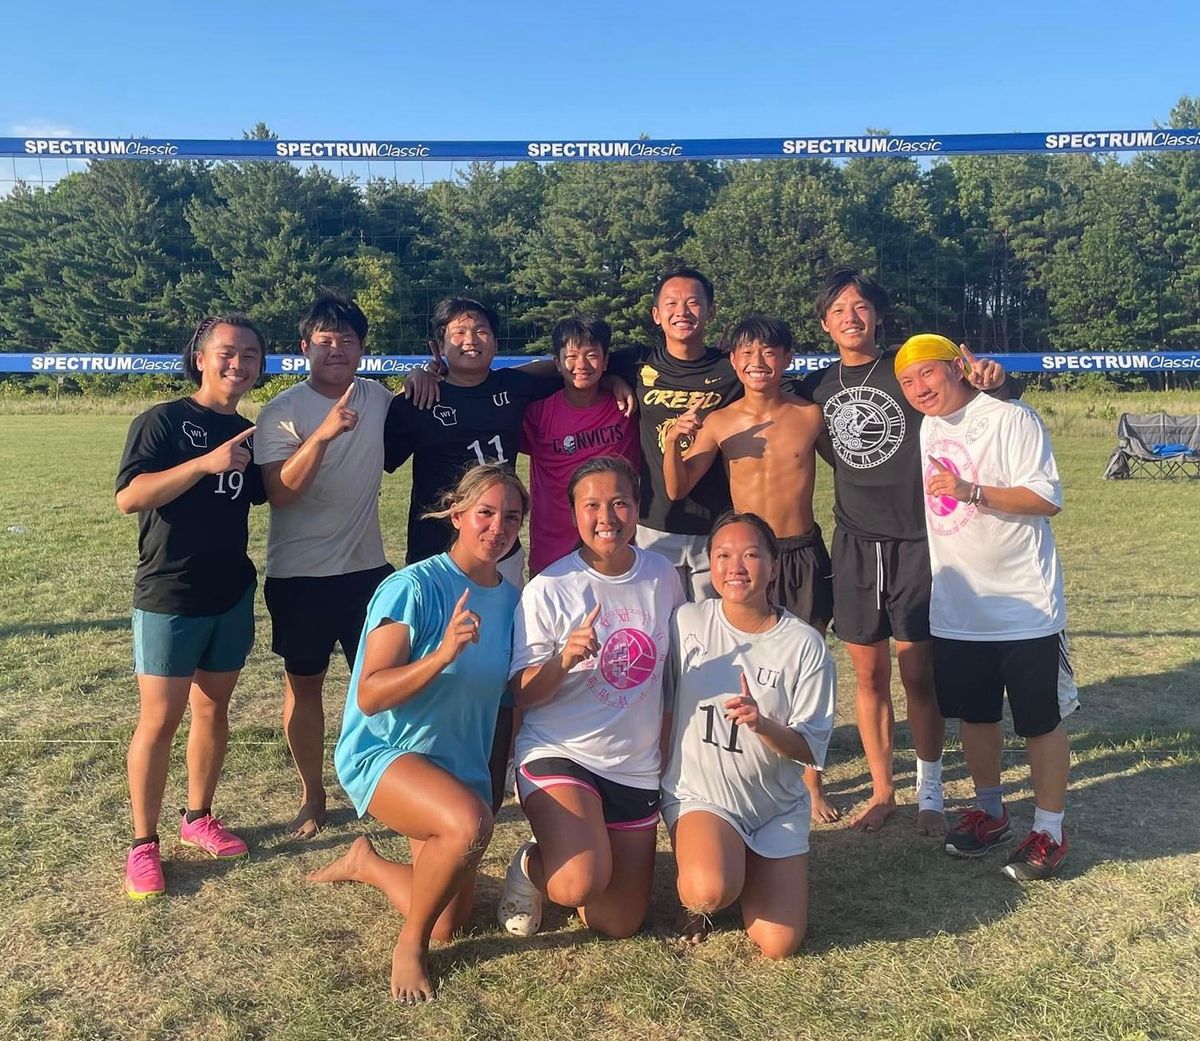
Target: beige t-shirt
[333,528]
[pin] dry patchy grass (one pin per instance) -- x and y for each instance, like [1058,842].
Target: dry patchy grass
[904,943]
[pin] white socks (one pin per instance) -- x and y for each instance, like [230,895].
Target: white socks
[929,785]
[1050,823]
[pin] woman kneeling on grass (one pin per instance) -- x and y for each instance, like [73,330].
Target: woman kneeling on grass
[187,473]
[751,697]
[419,720]
[590,644]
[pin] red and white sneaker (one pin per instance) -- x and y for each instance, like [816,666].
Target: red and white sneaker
[976,833]
[1038,857]
[143,872]
[207,833]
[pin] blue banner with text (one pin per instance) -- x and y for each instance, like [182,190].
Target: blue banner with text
[399,364]
[629,149]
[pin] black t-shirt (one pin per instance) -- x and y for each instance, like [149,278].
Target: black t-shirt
[468,426]
[666,387]
[191,551]
[876,435]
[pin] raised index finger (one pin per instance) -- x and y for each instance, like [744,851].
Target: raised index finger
[462,602]
[590,620]
[245,435]
[938,465]
[344,400]
[745,686]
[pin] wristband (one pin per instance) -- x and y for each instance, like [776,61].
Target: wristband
[976,496]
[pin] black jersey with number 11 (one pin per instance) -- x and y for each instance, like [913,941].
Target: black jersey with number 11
[468,426]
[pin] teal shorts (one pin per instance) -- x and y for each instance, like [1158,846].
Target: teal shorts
[178,645]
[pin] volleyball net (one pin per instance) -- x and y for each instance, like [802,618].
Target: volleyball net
[1049,247]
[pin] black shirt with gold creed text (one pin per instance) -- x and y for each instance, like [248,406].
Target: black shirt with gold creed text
[667,387]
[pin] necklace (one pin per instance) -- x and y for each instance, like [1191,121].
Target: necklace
[866,378]
[769,620]
[766,623]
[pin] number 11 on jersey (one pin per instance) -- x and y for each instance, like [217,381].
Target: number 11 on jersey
[710,730]
[495,443]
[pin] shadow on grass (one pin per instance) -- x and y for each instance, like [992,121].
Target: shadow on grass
[1130,800]
[76,625]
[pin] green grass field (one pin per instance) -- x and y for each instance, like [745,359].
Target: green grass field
[904,943]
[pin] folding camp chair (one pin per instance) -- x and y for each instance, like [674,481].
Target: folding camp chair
[1156,445]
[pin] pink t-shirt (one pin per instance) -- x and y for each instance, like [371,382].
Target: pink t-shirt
[558,439]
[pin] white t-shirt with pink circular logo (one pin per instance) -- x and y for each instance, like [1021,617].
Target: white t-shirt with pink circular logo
[607,715]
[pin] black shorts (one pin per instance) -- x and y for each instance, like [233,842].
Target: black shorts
[805,582]
[310,615]
[972,677]
[625,808]
[880,589]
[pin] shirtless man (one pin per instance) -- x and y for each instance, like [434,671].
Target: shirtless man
[767,440]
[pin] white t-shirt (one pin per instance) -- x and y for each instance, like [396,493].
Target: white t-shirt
[996,576]
[607,715]
[727,770]
[333,528]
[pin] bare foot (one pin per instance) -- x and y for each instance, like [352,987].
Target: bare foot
[310,819]
[931,822]
[875,815]
[694,927]
[348,867]
[410,974]
[824,812]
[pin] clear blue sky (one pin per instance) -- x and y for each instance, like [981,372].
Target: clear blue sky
[515,69]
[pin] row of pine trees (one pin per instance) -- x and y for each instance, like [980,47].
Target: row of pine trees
[1017,253]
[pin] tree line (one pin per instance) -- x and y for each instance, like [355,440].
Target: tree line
[1008,253]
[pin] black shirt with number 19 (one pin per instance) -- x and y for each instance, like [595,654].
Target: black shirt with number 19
[468,426]
[192,556]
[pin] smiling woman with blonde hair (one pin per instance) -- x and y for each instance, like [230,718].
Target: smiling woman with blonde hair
[419,720]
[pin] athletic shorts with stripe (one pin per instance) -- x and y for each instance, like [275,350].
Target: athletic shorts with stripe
[625,808]
[972,677]
[805,582]
[881,589]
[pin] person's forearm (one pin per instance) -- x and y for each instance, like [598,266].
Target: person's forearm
[390,688]
[149,491]
[296,475]
[538,684]
[1022,501]
[785,741]
[678,473]
[540,367]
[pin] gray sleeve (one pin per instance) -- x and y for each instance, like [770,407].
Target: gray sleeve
[814,700]
[276,437]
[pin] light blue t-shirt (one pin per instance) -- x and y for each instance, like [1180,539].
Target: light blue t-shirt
[452,721]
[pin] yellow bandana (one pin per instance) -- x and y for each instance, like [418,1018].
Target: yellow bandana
[927,347]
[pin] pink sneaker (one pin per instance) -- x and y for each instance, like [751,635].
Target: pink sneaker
[208,834]
[143,872]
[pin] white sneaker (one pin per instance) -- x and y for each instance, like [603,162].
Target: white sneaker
[520,909]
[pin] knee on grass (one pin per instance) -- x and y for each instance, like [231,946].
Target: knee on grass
[617,923]
[576,885]
[706,893]
[775,942]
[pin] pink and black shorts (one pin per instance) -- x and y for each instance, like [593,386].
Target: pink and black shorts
[625,808]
